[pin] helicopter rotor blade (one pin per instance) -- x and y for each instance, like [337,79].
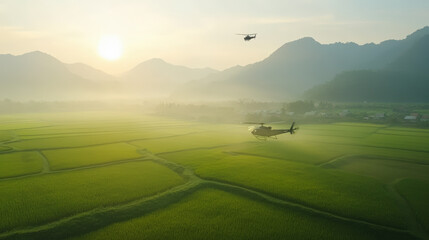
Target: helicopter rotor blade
[259,123]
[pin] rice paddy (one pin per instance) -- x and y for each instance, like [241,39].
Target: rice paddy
[222,215]
[109,175]
[50,197]
[84,156]
[20,163]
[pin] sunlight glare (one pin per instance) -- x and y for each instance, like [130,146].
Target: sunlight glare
[110,47]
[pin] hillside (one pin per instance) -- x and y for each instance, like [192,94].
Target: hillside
[373,86]
[39,76]
[298,66]
[405,79]
[156,77]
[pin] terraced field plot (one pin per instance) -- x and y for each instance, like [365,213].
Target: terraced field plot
[304,184]
[20,163]
[223,215]
[116,175]
[84,156]
[42,199]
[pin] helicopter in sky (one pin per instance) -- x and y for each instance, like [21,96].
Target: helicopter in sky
[263,132]
[248,36]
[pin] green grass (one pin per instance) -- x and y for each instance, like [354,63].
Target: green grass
[15,125]
[385,170]
[69,140]
[37,200]
[76,141]
[5,136]
[76,157]
[5,148]
[416,192]
[291,150]
[214,214]
[409,142]
[326,189]
[21,163]
[196,140]
[292,168]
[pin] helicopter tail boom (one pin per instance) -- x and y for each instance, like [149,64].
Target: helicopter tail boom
[292,129]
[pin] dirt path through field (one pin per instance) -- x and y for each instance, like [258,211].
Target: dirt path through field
[89,221]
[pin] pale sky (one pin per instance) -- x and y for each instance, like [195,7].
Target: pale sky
[197,33]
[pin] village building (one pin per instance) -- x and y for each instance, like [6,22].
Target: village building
[425,118]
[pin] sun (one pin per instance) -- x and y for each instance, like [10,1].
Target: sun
[110,47]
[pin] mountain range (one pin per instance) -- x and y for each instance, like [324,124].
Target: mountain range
[302,64]
[303,67]
[39,76]
[405,79]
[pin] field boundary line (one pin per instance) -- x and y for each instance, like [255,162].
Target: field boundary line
[85,222]
[237,189]
[46,166]
[81,223]
[274,199]
[89,221]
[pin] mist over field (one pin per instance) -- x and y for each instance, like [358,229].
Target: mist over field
[214,119]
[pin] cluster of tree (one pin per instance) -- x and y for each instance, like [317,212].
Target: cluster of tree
[299,107]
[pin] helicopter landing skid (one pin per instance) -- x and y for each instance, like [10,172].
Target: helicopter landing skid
[264,138]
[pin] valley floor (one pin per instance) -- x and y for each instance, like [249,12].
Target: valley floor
[110,175]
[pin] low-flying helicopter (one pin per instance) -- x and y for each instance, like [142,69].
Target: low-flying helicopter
[262,132]
[248,36]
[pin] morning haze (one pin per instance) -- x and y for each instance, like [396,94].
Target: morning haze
[214,119]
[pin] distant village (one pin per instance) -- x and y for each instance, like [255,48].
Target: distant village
[404,114]
[391,113]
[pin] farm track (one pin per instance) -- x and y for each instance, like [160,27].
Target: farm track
[97,218]
[46,166]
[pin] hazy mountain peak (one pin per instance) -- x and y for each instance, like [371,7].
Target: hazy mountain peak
[40,57]
[154,61]
[292,48]
[304,42]
[419,33]
[303,63]
[36,54]
[156,77]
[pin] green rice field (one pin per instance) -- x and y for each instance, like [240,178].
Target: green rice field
[121,175]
